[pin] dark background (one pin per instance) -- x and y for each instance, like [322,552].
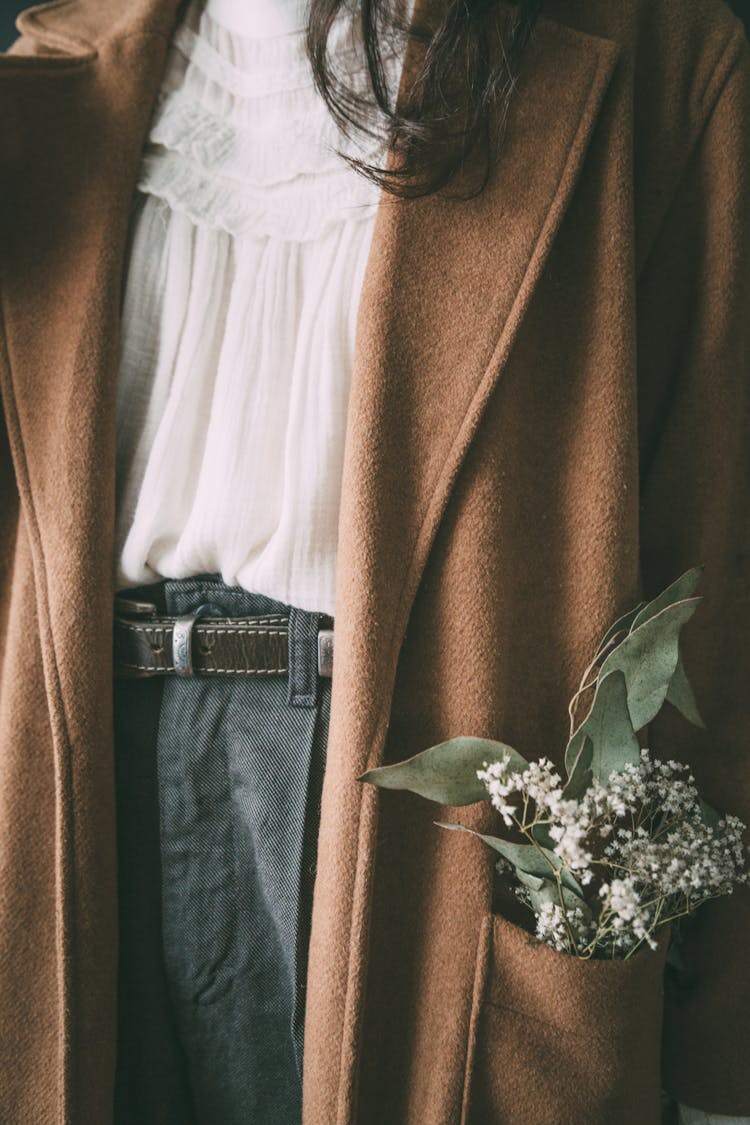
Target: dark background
[10,8]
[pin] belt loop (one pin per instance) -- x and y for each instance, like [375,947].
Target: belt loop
[303,658]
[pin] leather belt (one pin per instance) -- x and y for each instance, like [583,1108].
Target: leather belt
[204,643]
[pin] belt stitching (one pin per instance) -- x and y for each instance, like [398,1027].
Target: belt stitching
[240,631]
[151,628]
[208,671]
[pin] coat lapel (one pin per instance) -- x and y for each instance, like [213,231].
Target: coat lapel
[74,117]
[445,292]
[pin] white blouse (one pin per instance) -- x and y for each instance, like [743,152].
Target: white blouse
[248,244]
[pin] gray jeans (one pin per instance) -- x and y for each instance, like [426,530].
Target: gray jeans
[218,802]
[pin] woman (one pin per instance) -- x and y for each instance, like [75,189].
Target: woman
[547,419]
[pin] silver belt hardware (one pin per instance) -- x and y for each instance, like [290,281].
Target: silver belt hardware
[126,607]
[182,636]
[182,633]
[325,652]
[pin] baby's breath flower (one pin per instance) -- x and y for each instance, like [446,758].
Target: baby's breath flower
[501,782]
[569,844]
[542,783]
[638,839]
[624,903]
[550,926]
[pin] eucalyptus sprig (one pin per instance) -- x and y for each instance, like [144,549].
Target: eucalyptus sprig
[625,844]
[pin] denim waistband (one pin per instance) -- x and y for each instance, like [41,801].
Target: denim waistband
[174,596]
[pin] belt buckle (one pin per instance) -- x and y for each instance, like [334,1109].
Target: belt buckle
[128,607]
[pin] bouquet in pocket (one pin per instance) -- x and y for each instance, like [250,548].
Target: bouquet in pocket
[624,843]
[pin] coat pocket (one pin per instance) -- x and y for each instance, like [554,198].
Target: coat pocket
[555,1039]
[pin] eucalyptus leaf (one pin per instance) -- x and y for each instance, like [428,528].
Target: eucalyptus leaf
[709,815]
[648,658]
[622,624]
[579,755]
[677,591]
[610,731]
[532,882]
[531,860]
[446,773]
[549,892]
[541,834]
[680,694]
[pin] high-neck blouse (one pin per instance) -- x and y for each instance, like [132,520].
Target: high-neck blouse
[248,244]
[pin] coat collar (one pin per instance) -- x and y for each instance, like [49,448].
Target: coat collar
[446,289]
[76,30]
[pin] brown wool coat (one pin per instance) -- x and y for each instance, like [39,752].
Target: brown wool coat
[549,419]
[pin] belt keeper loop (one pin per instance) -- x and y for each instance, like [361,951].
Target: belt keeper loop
[182,637]
[182,644]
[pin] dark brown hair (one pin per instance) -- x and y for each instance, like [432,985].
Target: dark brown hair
[466,52]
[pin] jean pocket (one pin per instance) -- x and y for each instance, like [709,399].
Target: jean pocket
[555,1039]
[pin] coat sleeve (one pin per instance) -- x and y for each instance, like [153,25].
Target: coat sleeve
[694,417]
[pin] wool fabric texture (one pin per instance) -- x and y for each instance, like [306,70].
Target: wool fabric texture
[548,421]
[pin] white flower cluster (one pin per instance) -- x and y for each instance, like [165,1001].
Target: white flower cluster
[550,925]
[629,917]
[640,839]
[554,925]
[501,781]
[690,859]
